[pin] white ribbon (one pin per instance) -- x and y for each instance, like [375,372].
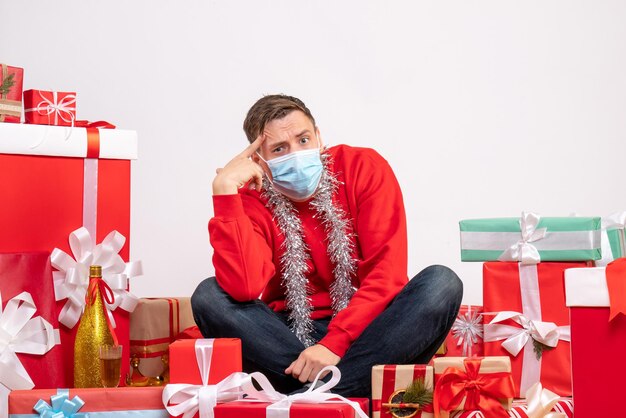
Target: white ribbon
[516,338]
[523,251]
[188,399]
[468,330]
[21,332]
[614,221]
[72,278]
[281,404]
[540,403]
[531,328]
[64,108]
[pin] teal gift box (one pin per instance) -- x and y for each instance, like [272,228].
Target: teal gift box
[613,238]
[531,239]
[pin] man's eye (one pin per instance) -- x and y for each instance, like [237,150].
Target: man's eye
[304,140]
[277,149]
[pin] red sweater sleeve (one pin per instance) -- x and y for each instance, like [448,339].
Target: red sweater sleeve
[242,255]
[380,223]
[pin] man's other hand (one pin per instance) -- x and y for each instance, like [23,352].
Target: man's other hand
[310,362]
[239,171]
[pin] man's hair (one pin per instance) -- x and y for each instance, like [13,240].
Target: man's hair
[269,108]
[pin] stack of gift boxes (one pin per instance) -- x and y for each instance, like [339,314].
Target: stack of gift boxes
[66,205]
[547,310]
[69,200]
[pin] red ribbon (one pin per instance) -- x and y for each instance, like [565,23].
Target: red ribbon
[480,391]
[616,283]
[96,284]
[93,143]
[102,124]
[93,135]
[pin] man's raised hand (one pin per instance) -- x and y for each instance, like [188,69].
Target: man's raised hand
[239,171]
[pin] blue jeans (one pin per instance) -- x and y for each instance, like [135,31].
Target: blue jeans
[408,331]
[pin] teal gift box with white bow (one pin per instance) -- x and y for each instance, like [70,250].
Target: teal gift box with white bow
[531,239]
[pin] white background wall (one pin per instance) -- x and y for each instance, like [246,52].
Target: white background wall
[483,108]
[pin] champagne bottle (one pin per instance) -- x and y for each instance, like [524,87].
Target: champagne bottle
[93,331]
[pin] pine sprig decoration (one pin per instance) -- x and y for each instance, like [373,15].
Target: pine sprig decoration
[405,403]
[7,83]
[539,348]
[417,392]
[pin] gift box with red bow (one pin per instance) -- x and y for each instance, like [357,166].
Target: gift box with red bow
[597,300]
[391,382]
[11,79]
[527,320]
[92,403]
[473,383]
[62,179]
[49,107]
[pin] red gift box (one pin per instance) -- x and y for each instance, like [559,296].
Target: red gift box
[207,361]
[225,359]
[240,409]
[49,107]
[466,336]
[51,192]
[598,344]
[110,402]
[537,293]
[33,357]
[388,379]
[11,79]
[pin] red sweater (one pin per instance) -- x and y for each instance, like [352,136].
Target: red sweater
[247,244]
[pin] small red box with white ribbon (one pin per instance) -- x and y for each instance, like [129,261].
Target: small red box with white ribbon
[49,107]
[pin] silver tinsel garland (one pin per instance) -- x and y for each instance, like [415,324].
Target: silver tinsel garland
[340,248]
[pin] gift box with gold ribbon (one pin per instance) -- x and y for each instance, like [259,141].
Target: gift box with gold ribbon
[473,383]
[11,79]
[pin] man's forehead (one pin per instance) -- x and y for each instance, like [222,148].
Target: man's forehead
[286,128]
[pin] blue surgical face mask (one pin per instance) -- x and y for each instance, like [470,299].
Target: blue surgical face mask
[298,174]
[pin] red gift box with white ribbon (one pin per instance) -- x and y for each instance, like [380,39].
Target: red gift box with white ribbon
[527,320]
[30,355]
[60,179]
[49,107]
